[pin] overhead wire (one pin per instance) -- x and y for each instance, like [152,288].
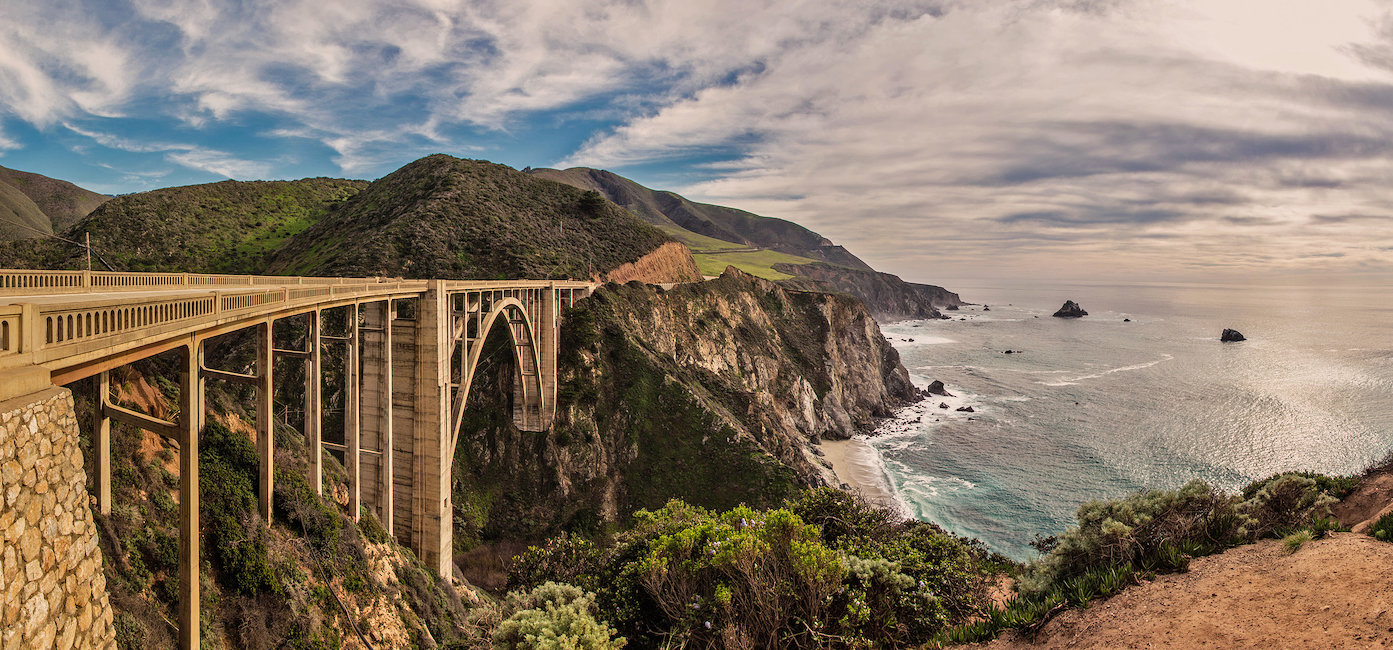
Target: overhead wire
[51,235]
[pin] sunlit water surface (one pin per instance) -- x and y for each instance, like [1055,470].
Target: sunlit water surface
[1099,407]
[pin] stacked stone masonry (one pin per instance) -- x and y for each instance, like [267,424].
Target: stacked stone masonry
[53,593]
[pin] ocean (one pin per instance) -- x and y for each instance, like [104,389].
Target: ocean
[1099,407]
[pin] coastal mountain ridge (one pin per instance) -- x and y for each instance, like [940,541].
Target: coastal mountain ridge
[52,204]
[768,247]
[680,216]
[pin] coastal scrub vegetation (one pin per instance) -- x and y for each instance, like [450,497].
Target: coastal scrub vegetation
[1118,542]
[823,570]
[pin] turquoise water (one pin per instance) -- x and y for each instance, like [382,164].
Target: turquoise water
[1099,407]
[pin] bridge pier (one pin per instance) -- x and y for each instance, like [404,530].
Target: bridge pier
[191,385]
[376,424]
[265,423]
[353,388]
[102,452]
[313,403]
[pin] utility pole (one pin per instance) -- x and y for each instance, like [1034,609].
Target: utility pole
[87,237]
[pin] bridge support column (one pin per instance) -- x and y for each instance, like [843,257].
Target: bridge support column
[190,423]
[353,387]
[376,421]
[102,450]
[548,338]
[265,424]
[433,518]
[313,417]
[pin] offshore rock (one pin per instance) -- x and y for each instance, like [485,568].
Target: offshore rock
[1231,336]
[937,388]
[1070,309]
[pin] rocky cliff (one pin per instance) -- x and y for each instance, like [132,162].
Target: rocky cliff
[712,392]
[886,295]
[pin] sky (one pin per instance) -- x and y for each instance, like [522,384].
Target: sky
[1108,140]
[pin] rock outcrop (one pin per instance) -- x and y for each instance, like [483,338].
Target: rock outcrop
[1070,309]
[1231,336]
[937,388]
[887,296]
[671,262]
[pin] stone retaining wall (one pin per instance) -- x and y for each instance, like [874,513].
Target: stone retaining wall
[52,589]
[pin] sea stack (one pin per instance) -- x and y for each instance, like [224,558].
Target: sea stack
[1231,336]
[1070,309]
[937,388]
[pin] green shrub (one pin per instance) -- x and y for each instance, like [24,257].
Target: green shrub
[1144,529]
[1286,502]
[227,470]
[824,567]
[554,617]
[1335,486]
[130,635]
[1383,528]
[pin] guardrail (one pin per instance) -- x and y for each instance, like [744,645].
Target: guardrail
[27,282]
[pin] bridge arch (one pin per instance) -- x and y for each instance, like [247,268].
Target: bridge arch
[527,379]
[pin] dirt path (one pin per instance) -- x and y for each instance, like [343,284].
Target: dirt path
[1333,593]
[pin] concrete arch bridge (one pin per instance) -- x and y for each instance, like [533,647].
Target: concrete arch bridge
[412,347]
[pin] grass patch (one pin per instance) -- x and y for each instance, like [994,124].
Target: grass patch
[1293,542]
[757,263]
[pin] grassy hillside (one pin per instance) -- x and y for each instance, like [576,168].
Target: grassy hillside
[63,202]
[20,218]
[444,217]
[696,223]
[227,227]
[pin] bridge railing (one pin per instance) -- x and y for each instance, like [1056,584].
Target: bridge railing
[45,331]
[28,282]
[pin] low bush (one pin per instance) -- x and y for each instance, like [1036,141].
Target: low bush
[1285,503]
[1383,528]
[1147,528]
[554,617]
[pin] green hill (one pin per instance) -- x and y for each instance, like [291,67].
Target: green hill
[226,227]
[711,230]
[20,218]
[62,202]
[444,217]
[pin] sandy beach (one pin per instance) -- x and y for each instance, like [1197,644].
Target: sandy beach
[856,464]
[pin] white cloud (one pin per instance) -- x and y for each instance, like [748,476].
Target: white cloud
[221,163]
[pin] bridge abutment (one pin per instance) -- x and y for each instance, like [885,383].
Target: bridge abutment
[54,590]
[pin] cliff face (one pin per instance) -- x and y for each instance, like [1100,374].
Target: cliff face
[886,295]
[712,392]
[671,262]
